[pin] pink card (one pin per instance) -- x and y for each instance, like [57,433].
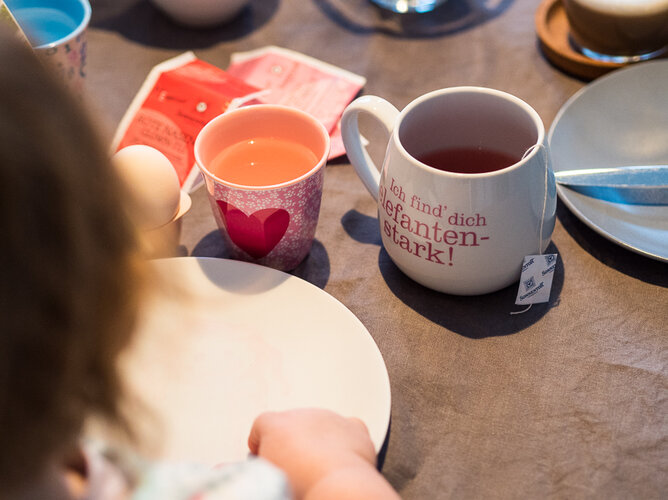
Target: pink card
[297,80]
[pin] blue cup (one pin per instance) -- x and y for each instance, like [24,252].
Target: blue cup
[56,30]
[48,23]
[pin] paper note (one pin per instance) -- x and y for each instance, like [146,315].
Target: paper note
[300,81]
[181,95]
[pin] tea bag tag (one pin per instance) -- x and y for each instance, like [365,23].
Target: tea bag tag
[536,279]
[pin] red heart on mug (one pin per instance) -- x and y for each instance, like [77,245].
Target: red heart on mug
[258,233]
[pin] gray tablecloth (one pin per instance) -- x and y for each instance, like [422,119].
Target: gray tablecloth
[569,400]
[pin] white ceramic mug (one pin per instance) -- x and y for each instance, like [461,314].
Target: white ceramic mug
[459,233]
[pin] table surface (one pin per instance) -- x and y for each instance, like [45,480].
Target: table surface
[569,400]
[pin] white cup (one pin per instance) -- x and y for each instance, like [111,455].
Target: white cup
[459,233]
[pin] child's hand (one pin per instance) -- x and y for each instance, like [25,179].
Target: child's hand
[323,454]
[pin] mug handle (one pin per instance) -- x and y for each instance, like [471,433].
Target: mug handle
[382,111]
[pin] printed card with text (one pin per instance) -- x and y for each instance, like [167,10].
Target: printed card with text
[297,80]
[177,99]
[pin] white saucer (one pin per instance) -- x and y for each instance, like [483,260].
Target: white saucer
[235,339]
[619,119]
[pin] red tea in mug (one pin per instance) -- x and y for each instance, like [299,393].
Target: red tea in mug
[263,161]
[467,160]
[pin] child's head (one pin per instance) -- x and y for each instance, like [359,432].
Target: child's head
[68,269]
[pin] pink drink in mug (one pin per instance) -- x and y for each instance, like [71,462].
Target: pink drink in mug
[264,170]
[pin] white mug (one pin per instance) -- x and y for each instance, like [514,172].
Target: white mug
[455,231]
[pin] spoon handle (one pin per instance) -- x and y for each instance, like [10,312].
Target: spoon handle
[638,184]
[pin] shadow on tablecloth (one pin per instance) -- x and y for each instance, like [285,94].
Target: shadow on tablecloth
[140,21]
[612,255]
[474,317]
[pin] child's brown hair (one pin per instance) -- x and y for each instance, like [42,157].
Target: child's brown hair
[68,269]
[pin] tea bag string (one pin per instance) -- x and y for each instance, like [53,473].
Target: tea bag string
[542,215]
[545,181]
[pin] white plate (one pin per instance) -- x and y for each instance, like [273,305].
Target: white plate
[619,119]
[236,339]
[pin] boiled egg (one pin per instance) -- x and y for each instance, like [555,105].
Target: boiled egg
[153,185]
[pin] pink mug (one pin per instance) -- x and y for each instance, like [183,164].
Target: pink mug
[270,223]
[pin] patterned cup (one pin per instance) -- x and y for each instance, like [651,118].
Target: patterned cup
[57,31]
[268,224]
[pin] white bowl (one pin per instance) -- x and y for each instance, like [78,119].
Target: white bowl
[200,13]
